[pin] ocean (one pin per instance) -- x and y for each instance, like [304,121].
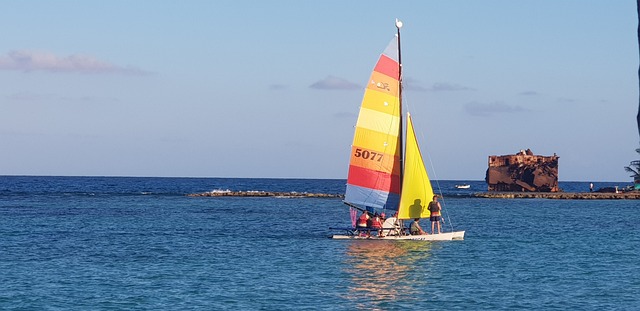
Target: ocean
[118,243]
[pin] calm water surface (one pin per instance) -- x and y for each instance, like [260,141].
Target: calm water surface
[83,243]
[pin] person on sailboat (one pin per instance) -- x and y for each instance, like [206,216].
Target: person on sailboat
[376,223]
[415,228]
[391,225]
[435,208]
[363,223]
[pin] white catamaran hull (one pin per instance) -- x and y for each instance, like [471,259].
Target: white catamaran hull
[447,236]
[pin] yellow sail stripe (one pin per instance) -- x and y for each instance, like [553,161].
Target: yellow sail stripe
[416,186]
[378,121]
[382,102]
[376,141]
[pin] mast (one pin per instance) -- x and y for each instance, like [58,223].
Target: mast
[638,8]
[398,26]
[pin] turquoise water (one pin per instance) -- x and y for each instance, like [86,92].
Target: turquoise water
[83,243]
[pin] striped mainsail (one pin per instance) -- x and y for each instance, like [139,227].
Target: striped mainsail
[374,168]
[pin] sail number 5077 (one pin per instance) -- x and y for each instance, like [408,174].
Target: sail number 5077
[368,155]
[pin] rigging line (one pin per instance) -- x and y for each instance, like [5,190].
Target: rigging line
[407,104]
[437,180]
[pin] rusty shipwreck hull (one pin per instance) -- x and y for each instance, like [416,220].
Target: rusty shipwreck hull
[523,172]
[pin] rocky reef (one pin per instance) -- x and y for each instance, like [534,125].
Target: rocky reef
[632,195]
[229,193]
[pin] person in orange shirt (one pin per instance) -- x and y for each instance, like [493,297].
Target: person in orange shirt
[363,223]
[376,223]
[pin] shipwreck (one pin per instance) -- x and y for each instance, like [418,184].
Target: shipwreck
[523,172]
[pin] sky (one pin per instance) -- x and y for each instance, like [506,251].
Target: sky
[272,88]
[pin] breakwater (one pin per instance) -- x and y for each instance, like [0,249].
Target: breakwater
[632,195]
[278,194]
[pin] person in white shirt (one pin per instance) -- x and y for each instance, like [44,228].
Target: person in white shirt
[391,225]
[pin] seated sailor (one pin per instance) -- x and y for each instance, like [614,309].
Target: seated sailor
[415,228]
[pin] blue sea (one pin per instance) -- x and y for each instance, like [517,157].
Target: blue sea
[116,243]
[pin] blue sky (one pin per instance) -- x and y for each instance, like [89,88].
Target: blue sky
[272,88]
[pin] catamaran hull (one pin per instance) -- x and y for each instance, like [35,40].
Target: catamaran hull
[447,236]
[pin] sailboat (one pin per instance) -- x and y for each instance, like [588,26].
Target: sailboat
[386,175]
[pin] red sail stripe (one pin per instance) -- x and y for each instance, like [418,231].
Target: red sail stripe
[366,178]
[388,67]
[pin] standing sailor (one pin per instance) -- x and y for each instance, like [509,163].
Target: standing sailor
[435,208]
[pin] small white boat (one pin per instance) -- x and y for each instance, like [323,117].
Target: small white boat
[463,186]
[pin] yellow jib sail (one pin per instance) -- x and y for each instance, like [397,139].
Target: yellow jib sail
[416,187]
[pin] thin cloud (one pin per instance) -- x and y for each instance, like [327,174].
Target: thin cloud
[448,87]
[334,83]
[27,61]
[277,87]
[529,93]
[566,100]
[414,85]
[28,97]
[483,109]
[411,84]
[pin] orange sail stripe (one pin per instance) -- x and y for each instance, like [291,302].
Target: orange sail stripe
[381,83]
[388,67]
[375,161]
[373,180]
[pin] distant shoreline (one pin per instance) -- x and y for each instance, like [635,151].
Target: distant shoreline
[632,195]
[277,194]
